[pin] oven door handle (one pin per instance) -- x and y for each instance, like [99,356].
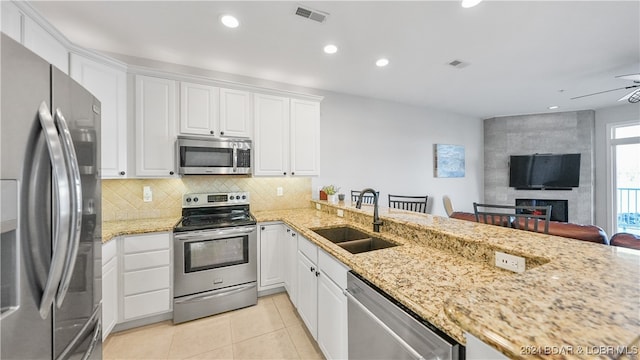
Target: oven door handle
[213,233]
[214,294]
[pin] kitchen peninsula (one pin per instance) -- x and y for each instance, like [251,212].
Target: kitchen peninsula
[575,299]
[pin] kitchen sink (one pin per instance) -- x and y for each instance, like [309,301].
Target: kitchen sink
[341,234]
[364,245]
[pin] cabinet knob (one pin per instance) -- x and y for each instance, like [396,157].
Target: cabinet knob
[312,269]
[262,228]
[284,173]
[221,133]
[292,173]
[288,230]
[170,172]
[122,172]
[211,132]
[293,234]
[317,273]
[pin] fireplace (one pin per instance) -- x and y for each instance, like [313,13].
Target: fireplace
[559,208]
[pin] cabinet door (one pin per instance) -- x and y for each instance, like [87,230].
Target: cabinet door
[308,293]
[235,113]
[291,271]
[11,20]
[41,42]
[109,289]
[332,319]
[271,255]
[305,137]
[155,126]
[109,85]
[198,109]
[271,135]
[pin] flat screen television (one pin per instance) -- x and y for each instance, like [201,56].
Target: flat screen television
[544,171]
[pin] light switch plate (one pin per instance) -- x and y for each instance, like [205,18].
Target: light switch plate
[340,213]
[279,191]
[318,207]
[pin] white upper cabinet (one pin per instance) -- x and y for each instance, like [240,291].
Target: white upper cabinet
[11,20]
[305,137]
[235,113]
[271,135]
[208,110]
[41,42]
[155,126]
[109,85]
[199,109]
[287,136]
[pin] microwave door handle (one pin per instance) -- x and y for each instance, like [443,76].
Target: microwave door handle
[235,157]
[61,209]
[76,201]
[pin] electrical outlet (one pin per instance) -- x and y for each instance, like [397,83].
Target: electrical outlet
[147,194]
[340,213]
[510,262]
[279,191]
[318,207]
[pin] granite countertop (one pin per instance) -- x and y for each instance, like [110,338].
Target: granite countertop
[112,229]
[573,299]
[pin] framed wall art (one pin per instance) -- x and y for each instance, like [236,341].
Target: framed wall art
[448,161]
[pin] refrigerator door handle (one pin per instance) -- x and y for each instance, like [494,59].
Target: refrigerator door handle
[93,327]
[76,203]
[62,208]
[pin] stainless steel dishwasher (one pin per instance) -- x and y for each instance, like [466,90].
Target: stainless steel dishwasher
[380,328]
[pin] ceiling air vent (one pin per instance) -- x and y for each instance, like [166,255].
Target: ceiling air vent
[458,64]
[311,14]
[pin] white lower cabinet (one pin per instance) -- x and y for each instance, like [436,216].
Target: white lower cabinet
[476,349]
[332,307]
[271,244]
[291,264]
[146,275]
[109,286]
[307,288]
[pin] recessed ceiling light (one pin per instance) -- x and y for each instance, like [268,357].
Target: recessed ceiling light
[229,21]
[330,49]
[382,62]
[470,3]
[553,107]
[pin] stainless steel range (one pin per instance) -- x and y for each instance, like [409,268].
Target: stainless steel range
[215,249]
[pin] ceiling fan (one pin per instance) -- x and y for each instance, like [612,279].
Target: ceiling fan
[632,97]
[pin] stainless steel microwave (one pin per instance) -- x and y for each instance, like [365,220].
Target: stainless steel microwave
[207,156]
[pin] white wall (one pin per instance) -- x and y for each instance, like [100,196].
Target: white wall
[622,113]
[389,147]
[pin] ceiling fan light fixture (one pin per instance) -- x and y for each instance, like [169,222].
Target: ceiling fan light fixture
[635,97]
[470,3]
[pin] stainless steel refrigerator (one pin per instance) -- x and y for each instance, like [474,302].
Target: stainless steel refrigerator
[50,208]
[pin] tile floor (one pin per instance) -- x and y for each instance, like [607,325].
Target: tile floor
[270,330]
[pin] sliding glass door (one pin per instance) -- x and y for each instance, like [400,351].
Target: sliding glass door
[625,177]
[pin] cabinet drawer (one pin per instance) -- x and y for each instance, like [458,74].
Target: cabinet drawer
[109,251]
[146,260]
[308,248]
[159,241]
[146,280]
[147,304]
[334,269]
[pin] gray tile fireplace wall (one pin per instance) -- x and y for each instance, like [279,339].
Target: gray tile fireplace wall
[556,133]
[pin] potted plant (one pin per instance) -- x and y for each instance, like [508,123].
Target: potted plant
[331,191]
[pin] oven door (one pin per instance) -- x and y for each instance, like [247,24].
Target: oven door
[212,259]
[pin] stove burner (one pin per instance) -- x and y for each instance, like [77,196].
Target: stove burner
[202,218]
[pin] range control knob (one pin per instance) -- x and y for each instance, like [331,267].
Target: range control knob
[188,200]
[244,197]
[195,199]
[232,197]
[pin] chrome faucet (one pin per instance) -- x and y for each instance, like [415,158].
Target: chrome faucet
[376,218]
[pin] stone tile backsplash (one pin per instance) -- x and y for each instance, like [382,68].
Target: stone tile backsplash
[122,199]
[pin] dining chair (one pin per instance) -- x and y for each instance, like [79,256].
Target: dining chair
[411,203]
[522,217]
[366,198]
[448,206]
